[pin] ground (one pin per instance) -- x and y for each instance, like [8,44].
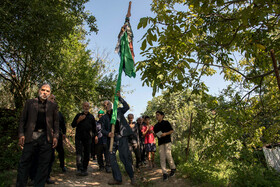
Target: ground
[146,177]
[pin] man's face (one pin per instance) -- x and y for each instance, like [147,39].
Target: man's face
[130,118]
[107,105]
[86,107]
[100,115]
[139,121]
[44,92]
[159,116]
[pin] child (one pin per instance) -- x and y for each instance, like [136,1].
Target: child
[150,146]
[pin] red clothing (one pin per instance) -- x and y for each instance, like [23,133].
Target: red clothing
[149,136]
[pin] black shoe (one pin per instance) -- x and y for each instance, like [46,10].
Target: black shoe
[172,173]
[78,172]
[83,173]
[164,177]
[133,181]
[49,181]
[30,183]
[114,182]
[108,170]
[64,169]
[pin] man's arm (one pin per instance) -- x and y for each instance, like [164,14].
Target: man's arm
[56,126]
[74,123]
[104,130]
[125,107]
[62,123]
[94,132]
[22,122]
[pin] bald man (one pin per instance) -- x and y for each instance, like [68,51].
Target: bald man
[85,125]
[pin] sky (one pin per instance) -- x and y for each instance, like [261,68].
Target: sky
[110,15]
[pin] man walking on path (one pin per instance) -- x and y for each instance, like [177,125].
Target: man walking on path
[163,130]
[38,133]
[101,146]
[85,128]
[122,131]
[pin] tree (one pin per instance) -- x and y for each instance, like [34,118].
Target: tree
[191,37]
[31,33]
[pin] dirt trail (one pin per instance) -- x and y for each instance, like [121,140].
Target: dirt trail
[146,177]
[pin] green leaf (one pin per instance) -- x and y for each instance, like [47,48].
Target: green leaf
[144,45]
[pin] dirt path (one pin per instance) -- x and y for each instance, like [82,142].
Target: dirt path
[146,177]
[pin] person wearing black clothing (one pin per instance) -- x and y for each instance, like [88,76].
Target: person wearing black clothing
[134,142]
[101,147]
[58,148]
[122,132]
[85,128]
[163,131]
[38,134]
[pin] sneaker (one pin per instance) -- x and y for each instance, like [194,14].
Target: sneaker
[164,177]
[172,173]
[114,182]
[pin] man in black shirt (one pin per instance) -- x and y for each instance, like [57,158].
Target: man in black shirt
[122,132]
[134,142]
[163,130]
[38,134]
[85,128]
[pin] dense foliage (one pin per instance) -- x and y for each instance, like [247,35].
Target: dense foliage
[44,41]
[31,35]
[189,39]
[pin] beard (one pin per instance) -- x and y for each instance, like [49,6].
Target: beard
[43,97]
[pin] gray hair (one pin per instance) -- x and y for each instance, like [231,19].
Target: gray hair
[45,84]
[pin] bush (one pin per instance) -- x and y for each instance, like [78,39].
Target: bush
[10,151]
[256,175]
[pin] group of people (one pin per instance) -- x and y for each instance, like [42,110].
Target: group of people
[42,129]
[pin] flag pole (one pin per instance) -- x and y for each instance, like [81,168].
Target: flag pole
[116,97]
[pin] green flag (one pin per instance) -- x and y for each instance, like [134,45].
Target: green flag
[125,50]
[126,57]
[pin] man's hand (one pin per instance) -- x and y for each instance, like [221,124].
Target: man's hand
[96,140]
[163,134]
[81,118]
[111,135]
[21,141]
[118,94]
[54,144]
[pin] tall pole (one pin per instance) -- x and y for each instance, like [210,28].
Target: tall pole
[116,98]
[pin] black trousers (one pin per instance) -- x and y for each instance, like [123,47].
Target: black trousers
[136,149]
[121,145]
[59,148]
[82,152]
[43,150]
[142,151]
[100,150]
